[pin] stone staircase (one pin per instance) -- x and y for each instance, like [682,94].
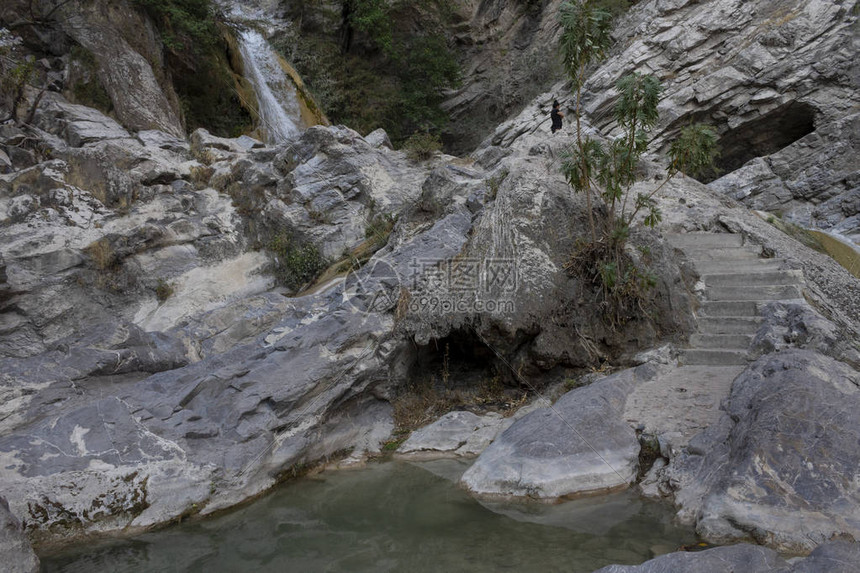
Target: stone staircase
[736,280]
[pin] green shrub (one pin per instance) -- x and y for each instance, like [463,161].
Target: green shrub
[186,26]
[395,79]
[606,173]
[422,146]
[163,290]
[297,263]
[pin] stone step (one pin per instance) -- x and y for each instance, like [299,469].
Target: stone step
[764,292]
[734,254]
[721,341]
[746,265]
[766,278]
[684,240]
[728,308]
[696,357]
[728,325]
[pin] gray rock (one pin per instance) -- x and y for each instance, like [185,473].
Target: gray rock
[580,444]
[457,433]
[777,467]
[5,163]
[742,557]
[18,556]
[155,138]
[784,101]
[129,54]
[202,139]
[795,325]
[831,557]
[378,138]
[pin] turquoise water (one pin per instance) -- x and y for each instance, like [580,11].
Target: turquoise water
[394,516]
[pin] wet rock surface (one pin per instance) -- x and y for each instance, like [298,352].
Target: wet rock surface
[835,556]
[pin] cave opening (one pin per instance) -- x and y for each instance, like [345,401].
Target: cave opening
[760,137]
[456,372]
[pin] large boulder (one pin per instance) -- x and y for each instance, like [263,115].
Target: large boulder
[781,465]
[580,444]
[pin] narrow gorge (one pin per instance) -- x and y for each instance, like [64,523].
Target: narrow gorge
[309,285]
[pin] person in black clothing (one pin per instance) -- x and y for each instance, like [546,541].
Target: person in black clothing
[556,116]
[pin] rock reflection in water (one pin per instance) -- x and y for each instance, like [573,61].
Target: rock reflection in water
[394,516]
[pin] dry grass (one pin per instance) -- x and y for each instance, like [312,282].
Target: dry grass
[843,254]
[419,404]
[102,254]
[200,175]
[824,243]
[204,155]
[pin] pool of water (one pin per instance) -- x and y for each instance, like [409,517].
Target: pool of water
[394,516]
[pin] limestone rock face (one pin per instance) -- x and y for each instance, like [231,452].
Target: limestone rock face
[129,54]
[18,556]
[457,433]
[509,54]
[579,444]
[778,79]
[142,340]
[779,467]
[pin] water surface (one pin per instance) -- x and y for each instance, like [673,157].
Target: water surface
[394,516]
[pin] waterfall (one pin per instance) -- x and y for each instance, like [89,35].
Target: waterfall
[277,100]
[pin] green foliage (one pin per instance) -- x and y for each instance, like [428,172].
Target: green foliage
[585,37]
[606,173]
[297,263]
[425,67]
[185,25]
[163,290]
[392,78]
[196,44]
[694,151]
[15,75]
[422,146]
[373,18]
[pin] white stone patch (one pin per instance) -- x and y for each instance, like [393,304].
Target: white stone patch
[77,439]
[205,288]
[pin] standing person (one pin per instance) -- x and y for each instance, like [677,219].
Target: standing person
[556,116]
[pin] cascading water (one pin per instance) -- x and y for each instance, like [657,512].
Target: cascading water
[277,100]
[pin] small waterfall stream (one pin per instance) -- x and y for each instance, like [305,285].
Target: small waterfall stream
[277,100]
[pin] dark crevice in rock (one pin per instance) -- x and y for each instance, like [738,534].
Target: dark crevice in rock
[458,360]
[761,137]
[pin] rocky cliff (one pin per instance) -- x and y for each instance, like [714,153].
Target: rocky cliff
[153,367]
